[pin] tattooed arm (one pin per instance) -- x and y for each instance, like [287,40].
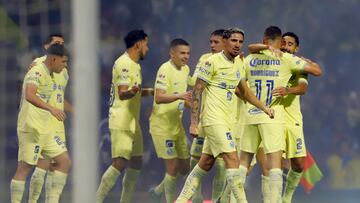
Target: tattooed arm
[196,104]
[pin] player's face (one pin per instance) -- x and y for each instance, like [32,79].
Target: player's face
[234,43]
[59,63]
[143,48]
[180,55]
[216,43]
[288,44]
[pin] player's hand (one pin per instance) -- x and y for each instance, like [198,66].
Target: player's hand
[193,130]
[277,52]
[270,112]
[280,92]
[58,114]
[31,65]
[185,96]
[135,89]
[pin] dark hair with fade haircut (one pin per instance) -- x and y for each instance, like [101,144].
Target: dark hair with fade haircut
[228,32]
[178,41]
[272,32]
[218,32]
[134,36]
[50,37]
[57,50]
[293,35]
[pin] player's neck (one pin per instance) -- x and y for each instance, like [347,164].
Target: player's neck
[47,66]
[228,56]
[133,55]
[178,67]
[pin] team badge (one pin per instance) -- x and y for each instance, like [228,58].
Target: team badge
[228,136]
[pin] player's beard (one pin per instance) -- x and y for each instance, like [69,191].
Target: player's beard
[142,56]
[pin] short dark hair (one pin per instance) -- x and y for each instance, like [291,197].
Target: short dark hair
[272,32]
[178,41]
[50,37]
[134,36]
[227,33]
[293,35]
[57,50]
[218,32]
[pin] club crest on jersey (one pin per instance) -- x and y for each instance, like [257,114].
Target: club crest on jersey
[162,76]
[200,141]
[125,70]
[36,149]
[169,143]
[228,136]
[229,96]
[207,64]
[238,74]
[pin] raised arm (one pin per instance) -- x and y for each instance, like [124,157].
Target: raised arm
[312,67]
[256,48]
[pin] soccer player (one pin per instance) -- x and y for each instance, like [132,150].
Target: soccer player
[124,112]
[264,72]
[216,46]
[166,127]
[218,78]
[57,100]
[34,127]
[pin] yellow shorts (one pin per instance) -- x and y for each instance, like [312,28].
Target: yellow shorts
[171,147]
[271,134]
[33,144]
[54,145]
[238,130]
[126,144]
[197,144]
[295,144]
[218,139]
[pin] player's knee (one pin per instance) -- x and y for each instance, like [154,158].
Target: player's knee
[206,163]
[119,163]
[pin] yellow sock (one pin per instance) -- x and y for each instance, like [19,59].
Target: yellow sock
[292,181]
[197,197]
[36,184]
[57,185]
[192,182]
[219,179]
[17,188]
[129,184]
[48,183]
[170,187]
[108,181]
[265,189]
[236,180]
[275,184]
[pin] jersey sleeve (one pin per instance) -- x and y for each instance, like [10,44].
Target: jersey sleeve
[296,64]
[302,78]
[162,79]
[122,75]
[34,76]
[206,71]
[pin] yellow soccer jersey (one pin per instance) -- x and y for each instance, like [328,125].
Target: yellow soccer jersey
[222,77]
[124,114]
[166,119]
[291,102]
[264,72]
[57,97]
[31,118]
[192,79]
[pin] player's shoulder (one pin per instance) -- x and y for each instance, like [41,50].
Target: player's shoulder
[205,56]
[166,66]
[123,59]
[39,59]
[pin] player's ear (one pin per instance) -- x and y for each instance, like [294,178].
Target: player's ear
[297,48]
